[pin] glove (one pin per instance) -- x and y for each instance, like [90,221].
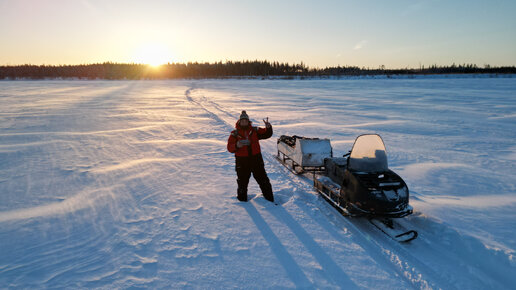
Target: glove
[266,121]
[243,143]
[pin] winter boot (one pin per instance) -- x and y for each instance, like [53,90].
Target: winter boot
[267,191]
[242,194]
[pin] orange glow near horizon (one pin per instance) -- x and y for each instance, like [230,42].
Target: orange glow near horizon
[152,54]
[61,32]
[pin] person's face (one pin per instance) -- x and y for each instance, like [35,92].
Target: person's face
[244,122]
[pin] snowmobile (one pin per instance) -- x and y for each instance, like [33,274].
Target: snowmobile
[359,184]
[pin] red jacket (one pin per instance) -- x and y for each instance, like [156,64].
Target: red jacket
[253,134]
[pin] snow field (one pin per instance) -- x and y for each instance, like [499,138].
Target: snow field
[129,184]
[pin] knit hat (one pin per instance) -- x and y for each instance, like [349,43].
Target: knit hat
[243,115]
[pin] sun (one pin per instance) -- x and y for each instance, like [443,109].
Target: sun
[152,54]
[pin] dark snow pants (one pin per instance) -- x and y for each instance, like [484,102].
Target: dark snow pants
[252,164]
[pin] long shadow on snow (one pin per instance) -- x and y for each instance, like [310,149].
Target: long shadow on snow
[293,270]
[333,272]
[328,219]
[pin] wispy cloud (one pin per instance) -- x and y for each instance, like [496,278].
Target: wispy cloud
[360,45]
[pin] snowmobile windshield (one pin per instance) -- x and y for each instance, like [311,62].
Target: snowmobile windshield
[368,154]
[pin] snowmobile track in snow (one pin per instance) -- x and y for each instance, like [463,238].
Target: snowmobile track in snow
[213,115]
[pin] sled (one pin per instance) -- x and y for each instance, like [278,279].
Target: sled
[302,154]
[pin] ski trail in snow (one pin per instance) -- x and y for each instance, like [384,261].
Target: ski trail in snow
[214,116]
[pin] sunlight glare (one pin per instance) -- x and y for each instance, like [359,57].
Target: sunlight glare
[152,54]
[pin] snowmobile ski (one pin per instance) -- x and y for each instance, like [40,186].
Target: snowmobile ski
[394,230]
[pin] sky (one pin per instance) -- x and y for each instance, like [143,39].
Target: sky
[368,33]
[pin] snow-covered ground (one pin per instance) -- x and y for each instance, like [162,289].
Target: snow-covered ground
[117,184]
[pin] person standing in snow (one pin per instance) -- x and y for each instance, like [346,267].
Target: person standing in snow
[244,143]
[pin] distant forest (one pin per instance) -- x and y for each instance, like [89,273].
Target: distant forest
[229,69]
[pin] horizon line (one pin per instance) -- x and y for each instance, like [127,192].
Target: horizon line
[302,63]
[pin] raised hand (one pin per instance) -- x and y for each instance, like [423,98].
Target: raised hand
[266,121]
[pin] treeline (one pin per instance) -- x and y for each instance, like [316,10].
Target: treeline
[116,71]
